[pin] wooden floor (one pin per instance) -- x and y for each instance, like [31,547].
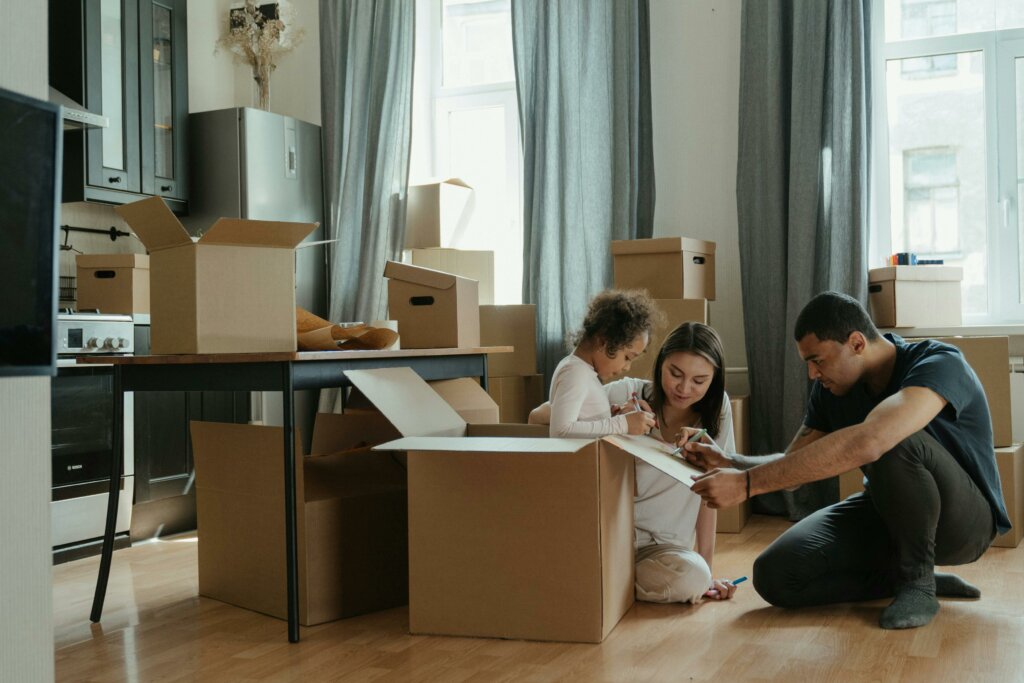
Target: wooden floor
[156,628]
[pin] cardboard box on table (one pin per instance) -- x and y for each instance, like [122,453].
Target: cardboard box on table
[472,265]
[436,213]
[915,296]
[233,291]
[733,519]
[1010,461]
[510,325]
[351,518]
[676,311]
[516,396]
[667,267]
[113,283]
[510,537]
[434,310]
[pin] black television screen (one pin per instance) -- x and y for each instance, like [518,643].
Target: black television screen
[31,136]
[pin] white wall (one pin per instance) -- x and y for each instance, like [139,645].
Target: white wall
[695,75]
[26,593]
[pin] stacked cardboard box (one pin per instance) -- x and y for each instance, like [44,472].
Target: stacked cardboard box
[733,519]
[434,310]
[113,283]
[512,378]
[915,296]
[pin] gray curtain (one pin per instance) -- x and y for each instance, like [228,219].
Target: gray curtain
[801,196]
[583,80]
[366,56]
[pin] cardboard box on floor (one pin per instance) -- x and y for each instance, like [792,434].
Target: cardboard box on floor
[667,267]
[733,519]
[233,291]
[437,213]
[1010,461]
[434,310]
[527,538]
[472,265]
[351,509]
[516,396]
[677,311]
[112,283]
[510,325]
[915,296]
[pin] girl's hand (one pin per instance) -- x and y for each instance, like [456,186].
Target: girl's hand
[721,589]
[640,422]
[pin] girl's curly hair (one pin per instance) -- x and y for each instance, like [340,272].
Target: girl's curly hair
[617,317]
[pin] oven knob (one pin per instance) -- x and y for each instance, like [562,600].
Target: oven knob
[122,343]
[92,343]
[108,343]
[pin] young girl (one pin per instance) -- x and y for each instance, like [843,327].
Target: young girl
[615,331]
[675,532]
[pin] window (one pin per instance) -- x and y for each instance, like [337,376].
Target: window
[466,124]
[947,147]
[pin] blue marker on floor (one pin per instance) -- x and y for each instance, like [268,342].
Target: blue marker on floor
[738,581]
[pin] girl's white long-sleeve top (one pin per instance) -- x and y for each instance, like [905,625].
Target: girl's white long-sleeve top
[579,404]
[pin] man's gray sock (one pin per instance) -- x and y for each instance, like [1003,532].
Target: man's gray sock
[952,586]
[914,606]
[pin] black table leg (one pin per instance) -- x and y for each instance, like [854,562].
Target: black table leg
[291,544]
[484,383]
[116,468]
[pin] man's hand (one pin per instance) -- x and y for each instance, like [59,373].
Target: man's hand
[705,453]
[721,488]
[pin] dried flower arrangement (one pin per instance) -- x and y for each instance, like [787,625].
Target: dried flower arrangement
[256,34]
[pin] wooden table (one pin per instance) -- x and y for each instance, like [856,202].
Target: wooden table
[283,371]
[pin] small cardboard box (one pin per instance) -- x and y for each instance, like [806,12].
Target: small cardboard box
[516,396]
[667,267]
[1010,461]
[352,521]
[113,283]
[515,326]
[233,291]
[437,213]
[434,310]
[676,311]
[850,483]
[473,265]
[733,519]
[915,296]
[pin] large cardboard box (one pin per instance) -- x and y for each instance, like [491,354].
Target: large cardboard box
[915,296]
[113,283]
[352,521]
[233,291]
[733,519]
[434,310]
[437,213]
[473,265]
[676,311]
[516,396]
[512,537]
[667,267]
[1010,461]
[515,326]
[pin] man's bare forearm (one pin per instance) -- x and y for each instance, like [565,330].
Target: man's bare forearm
[745,462]
[828,456]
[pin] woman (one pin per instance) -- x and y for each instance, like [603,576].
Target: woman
[674,531]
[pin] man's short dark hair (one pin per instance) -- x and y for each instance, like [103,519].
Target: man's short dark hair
[834,316]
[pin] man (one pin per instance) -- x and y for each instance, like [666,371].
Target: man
[914,418]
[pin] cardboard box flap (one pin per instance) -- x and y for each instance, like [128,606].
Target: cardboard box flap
[662,244]
[419,275]
[154,224]
[468,398]
[449,181]
[99,261]
[656,454]
[485,444]
[333,432]
[916,273]
[408,402]
[249,233]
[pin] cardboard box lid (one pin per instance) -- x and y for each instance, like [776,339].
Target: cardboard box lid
[468,398]
[447,181]
[484,444]
[916,273]
[662,244]
[158,228]
[138,261]
[428,277]
[333,432]
[408,402]
[655,453]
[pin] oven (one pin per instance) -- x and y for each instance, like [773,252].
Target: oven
[82,434]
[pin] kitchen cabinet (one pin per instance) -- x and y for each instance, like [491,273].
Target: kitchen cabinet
[126,60]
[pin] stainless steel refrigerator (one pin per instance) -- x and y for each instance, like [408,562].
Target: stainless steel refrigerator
[249,163]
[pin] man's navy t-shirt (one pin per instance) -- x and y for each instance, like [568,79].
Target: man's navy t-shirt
[963,426]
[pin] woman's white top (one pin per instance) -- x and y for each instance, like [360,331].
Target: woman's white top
[579,404]
[665,510]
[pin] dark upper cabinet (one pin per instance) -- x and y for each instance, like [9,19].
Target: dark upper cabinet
[126,60]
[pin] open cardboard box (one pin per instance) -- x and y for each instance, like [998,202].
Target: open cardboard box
[511,537]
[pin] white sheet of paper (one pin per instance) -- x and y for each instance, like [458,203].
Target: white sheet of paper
[656,453]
